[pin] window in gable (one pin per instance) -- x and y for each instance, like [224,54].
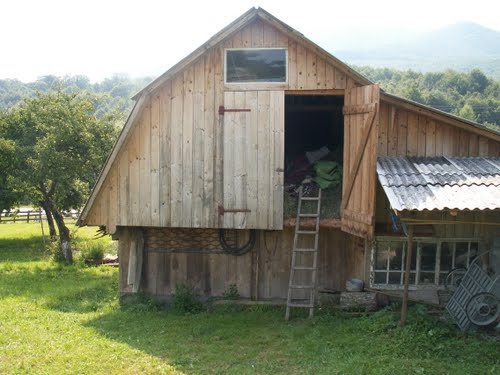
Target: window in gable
[256,65]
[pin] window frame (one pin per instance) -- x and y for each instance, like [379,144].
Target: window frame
[256,83]
[417,250]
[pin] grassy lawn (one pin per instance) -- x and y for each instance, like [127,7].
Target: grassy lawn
[68,319]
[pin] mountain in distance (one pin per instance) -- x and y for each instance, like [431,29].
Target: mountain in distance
[462,46]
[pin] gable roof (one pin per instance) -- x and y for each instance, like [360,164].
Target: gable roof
[439,183]
[236,25]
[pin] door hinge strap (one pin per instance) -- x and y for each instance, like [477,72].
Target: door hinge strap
[221,210]
[223,110]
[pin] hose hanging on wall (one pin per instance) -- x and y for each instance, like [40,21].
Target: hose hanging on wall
[234,249]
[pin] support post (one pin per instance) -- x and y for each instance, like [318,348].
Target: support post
[409,248]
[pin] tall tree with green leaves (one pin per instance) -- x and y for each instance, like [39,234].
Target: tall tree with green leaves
[58,147]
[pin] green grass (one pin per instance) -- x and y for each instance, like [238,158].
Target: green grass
[68,319]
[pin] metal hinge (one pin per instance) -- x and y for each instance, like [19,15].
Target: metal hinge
[221,210]
[223,110]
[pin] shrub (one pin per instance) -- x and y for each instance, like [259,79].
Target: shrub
[186,300]
[92,252]
[231,293]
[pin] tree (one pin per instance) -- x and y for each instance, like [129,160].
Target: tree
[59,146]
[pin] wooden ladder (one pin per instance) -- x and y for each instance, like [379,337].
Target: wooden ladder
[306,265]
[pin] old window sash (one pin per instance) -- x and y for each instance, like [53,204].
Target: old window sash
[432,259]
[253,66]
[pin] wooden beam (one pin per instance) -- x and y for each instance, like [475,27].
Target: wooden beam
[331,92]
[409,248]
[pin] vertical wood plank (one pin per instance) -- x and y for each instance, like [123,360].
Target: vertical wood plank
[239,155]
[257,33]
[176,151]
[422,129]
[198,143]
[269,35]
[464,143]
[155,160]
[473,145]
[209,142]
[301,67]
[228,129]
[392,133]
[123,186]
[165,153]
[439,138]
[430,140]
[402,129]
[340,79]
[321,74]
[384,129]
[187,148]
[263,161]
[329,76]
[134,161]
[145,166]
[292,65]
[277,168]
[412,139]
[312,74]
[218,126]
[252,157]
[483,146]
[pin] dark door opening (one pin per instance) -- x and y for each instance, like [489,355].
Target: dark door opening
[314,132]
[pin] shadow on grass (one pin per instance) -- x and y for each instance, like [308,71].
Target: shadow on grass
[27,249]
[61,288]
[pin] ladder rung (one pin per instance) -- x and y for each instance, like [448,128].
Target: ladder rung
[301,287]
[310,198]
[292,304]
[306,232]
[308,215]
[304,268]
[305,250]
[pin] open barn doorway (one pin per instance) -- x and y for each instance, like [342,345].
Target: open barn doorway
[314,139]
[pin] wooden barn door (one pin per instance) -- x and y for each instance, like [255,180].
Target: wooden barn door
[253,164]
[361,122]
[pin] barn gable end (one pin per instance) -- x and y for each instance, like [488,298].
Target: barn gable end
[198,154]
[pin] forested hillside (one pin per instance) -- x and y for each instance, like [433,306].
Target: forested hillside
[115,92]
[470,95]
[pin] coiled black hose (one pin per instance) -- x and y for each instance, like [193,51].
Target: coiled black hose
[234,250]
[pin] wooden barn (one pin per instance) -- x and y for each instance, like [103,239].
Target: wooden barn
[201,185]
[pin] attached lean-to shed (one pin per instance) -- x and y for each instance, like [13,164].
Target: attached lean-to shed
[215,146]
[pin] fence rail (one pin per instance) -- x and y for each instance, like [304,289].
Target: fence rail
[30,215]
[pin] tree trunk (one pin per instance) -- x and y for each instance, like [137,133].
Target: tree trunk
[50,220]
[63,234]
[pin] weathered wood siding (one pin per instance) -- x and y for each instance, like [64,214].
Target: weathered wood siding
[169,172]
[262,273]
[409,133]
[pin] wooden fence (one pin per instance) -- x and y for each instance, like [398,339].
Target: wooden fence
[31,215]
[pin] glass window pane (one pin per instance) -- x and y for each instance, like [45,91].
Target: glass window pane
[381,255]
[428,257]
[446,256]
[461,254]
[256,65]
[426,278]
[380,277]
[395,278]
[396,255]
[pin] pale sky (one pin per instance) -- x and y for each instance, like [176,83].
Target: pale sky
[145,37]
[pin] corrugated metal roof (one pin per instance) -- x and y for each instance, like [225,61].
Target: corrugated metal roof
[439,183]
